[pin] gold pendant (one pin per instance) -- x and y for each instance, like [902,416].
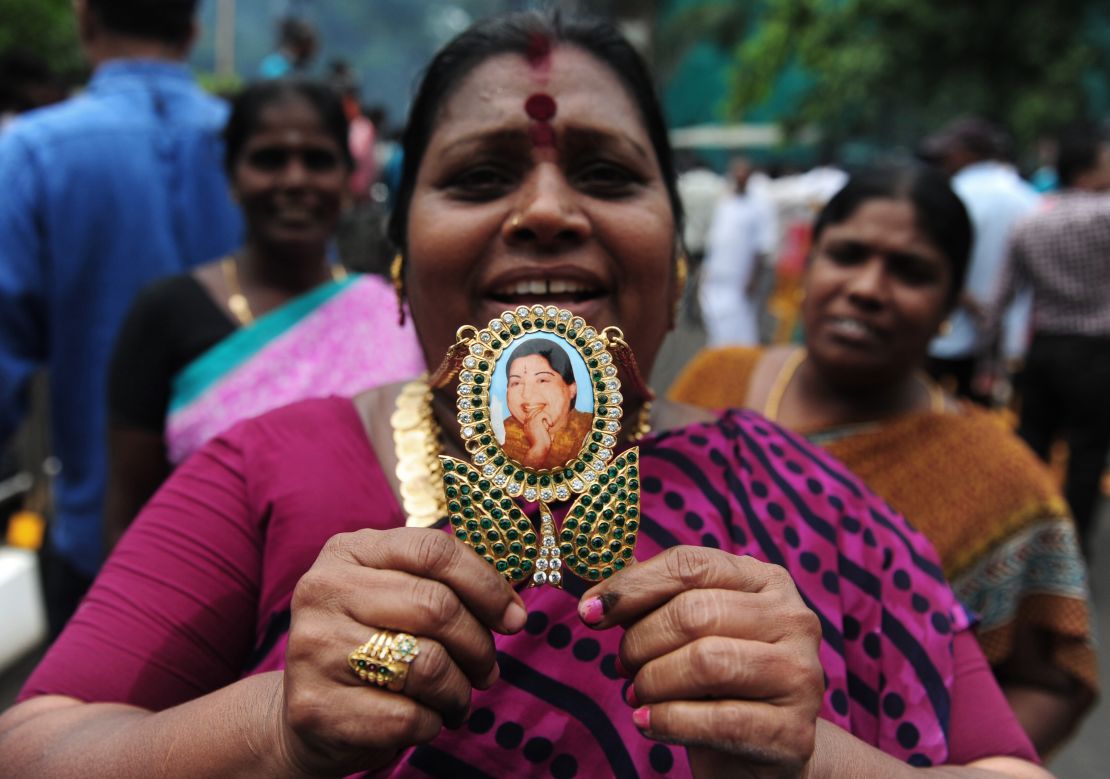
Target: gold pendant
[539,407]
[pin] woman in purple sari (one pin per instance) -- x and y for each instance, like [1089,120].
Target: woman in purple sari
[780,620]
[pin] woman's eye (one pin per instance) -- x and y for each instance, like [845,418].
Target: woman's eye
[481,183]
[606,179]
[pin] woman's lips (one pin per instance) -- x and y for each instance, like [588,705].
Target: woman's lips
[852,330]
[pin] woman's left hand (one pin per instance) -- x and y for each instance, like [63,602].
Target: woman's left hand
[723,654]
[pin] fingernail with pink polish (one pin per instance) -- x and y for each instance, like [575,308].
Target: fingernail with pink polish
[641,718]
[592,611]
[619,667]
[630,696]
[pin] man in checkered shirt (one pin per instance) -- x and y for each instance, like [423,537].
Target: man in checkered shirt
[1062,252]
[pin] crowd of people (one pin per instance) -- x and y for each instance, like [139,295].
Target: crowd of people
[844,567]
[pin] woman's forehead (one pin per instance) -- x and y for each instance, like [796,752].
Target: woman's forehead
[571,84]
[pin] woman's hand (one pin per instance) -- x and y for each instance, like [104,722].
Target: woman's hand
[418,581]
[722,652]
[538,430]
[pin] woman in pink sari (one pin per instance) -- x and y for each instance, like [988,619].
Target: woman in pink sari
[270,325]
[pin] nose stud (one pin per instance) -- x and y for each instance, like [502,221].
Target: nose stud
[514,223]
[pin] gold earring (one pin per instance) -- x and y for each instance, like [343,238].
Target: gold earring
[514,223]
[397,276]
[681,276]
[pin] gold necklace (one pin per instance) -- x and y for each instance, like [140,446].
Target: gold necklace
[790,366]
[237,302]
[417,442]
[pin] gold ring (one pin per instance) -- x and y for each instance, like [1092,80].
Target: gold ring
[384,660]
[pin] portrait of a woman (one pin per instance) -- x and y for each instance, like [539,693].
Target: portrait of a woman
[543,429]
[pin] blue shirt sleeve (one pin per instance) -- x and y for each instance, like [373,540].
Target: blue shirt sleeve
[22,279]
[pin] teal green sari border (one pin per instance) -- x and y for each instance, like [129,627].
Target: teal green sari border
[202,373]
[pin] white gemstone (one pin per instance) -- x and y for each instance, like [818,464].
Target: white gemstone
[589,476]
[470,362]
[616,398]
[612,427]
[549,541]
[480,458]
[539,577]
[577,485]
[564,315]
[605,358]
[465,419]
[554,553]
[578,323]
[496,325]
[513,488]
[604,454]
[477,349]
[489,469]
[522,311]
[530,494]
[537,310]
[467,432]
[466,376]
[543,552]
[552,311]
[464,403]
[610,370]
[500,480]
[556,564]
[612,384]
[555,578]
[608,440]
[589,333]
[546,495]
[486,337]
[464,389]
[542,564]
[614,413]
[507,317]
[597,346]
[561,492]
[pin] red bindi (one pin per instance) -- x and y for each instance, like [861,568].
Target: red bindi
[540,107]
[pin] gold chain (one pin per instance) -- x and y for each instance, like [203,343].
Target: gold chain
[237,302]
[417,443]
[771,408]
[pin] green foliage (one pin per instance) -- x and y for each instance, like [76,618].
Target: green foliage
[888,70]
[44,28]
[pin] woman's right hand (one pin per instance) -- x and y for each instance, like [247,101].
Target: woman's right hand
[538,429]
[418,581]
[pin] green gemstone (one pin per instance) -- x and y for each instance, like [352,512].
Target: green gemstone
[513,560]
[476,538]
[572,334]
[502,566]
[595,574]
[456,520]
[580,466]
[561,328]
[529,538]
[461,534]
[472,477]
[454,507]
[483,366]
[451,492]
[498,549]
[488,504]
[531,552]
[512,535]
[586,501]
[472,524]
[514,329]
[550,324]
[545,481]
[603,399]
[516,547]
[618,564]
[479,378]
[526,324]
[618,532]
[522,524]
[526,565]
[630,539]
[595,489]
[594,364]
[580,341]
[599,386]
[504,524]
[448,466]
[533,478]
[597,542]
[631,525]
[484,440]
[582,569]
[518,476]
[586,527]
[468,512]
[599,424]
[607,556]
[478,415]
[627,553]
[493,535]
[603,527]
[587,351]
[578,511]
[486,523]
[516,574]
[571,523]
[631,457]
[606,572]
[615,545]
[593,558]
[591,516]
[566,549]
[581,540]
[496,513]
[567,534]
[448,478]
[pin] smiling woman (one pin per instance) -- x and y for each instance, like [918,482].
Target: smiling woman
[284,616]
[259,329]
